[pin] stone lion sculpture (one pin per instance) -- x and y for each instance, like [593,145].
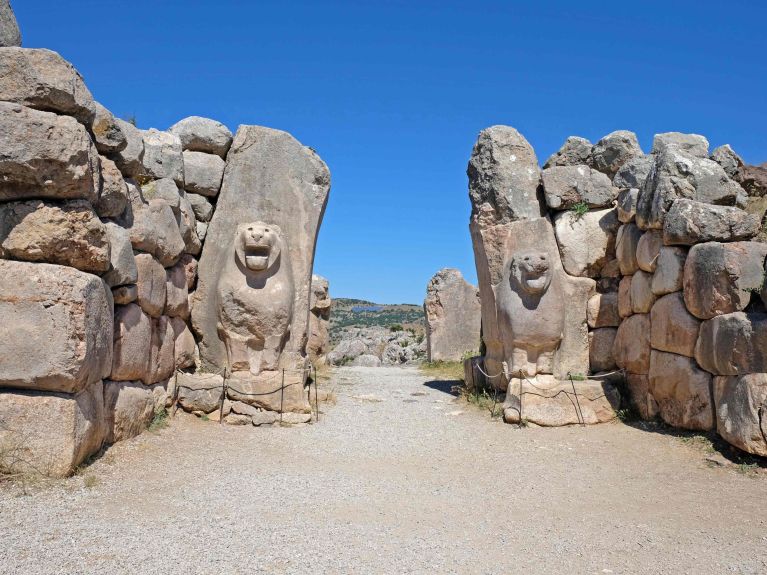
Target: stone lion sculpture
[255,298]
[530,313]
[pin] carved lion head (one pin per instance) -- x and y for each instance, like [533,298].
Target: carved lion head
[532,271]
[258,245]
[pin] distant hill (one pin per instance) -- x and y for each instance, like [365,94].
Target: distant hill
[346,312]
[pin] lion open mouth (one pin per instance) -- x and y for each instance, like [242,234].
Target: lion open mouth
[536,281]
[257,257]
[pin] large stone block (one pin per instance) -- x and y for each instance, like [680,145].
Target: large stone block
[177,294]
[114,192]
[42,79]
[574,152]
[721,278]
[130,159]
[669,271]
[132,344]
[567,186]
[692,144]
[611,152]
[626,244]
[682,390]
[733,344]
[639,396]
[203,173]
[153,228]
[162,359]
[642,297]
[726,157]
[122,270]
[626,204]
[108,135]
[9,28]
[162,156]
[202,208]
[601,343]
[672,327]
[45,155]
[625,308]
[68,234]
[586,242]
[633,174]
[51,433]
[184,344]
[453,315]
[319,320]
[648,250]
[741,411]
[689,222]
[152,284]
[188,226]
[203,135]
[129,409]
[602,310]
[56,328]
[200,391]
[632,344]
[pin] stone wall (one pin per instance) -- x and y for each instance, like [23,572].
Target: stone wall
[102,226]
[669,248]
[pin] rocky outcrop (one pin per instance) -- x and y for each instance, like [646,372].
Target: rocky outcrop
[453,314]
[391,347]
[10,35]
[203,135]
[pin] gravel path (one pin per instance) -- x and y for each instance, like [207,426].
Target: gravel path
[398,477]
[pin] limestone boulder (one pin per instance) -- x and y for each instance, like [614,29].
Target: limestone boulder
[602,310]
[632,344]
[41,79]
[184,344]
[164,189]
[68,234]
[113,196]
[586,242]
[151,283]
[108,134]
[567,186]
[202,230]
[633,174]
[366,360]
[689,222]
[122,264]
[52,433]
[642,297]
[639,396]
[625,308]
[692,144]
[601,343]
[162,359]
[56,330]
[733,344]
[730,161]
[202,208]
[177,294]
[453,314]
[611,152]
[721,278]
[669,271]
[190,270]
[676,174]
[123,295]
[626,244]
[672,327]
[162,156]
[203,135]
[45,155]
[153,229]
[648,250]
[188,225]
[682,391]
[574,152]
[203,173]
[753,179]
[200,391]
[130,160]
[9,29]
[128,409]
[132,344]
[266,391]
[741,406]
[626,204]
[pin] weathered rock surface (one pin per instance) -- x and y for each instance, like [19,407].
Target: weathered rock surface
[108,135]
[128,409]
[453,314]
[9,28]
[689,222]
[633,174]
[642,297]
[692,144]
[266,169]
[733,344]
[265,392]
[669,271]
[602,310]
[574,152]
[682,390]
[162,156]
[203,173]
[626,204]
[566,186]
[626,244]
[624,297]
[164,189]
[721,278]
[203,135]
[42,79]
[648,250]
[184,344]
[130,159]
[52,432]
[200,391]
[56,328]
[741,411]
[152,284]
[126,294]
[632,344]
[114,192]
[400,347]
[613,151]
[153,229]
[202,208]
[177,293]
[132,344]
[319,307]
[753,179]
[162,359]
[190,270]
[726,157]
[366,360]
[45,155]
[122,269]
[601,343]
[586,242]
[638,388]
[68,234]
[672,327]
[187,226]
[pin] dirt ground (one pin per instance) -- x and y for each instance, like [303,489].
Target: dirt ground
[398,477]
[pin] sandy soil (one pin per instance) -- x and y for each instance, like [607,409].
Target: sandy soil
[398,477]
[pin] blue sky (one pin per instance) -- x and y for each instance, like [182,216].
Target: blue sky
[393,94]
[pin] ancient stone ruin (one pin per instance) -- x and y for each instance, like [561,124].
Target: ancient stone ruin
[453,317]
[318,345]
[143,269]
[614,269]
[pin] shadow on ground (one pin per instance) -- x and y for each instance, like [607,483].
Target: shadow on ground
[449,386]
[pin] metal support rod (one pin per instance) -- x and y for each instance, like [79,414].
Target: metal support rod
[316,396]
[282,395]
[578,411]
[223,399]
